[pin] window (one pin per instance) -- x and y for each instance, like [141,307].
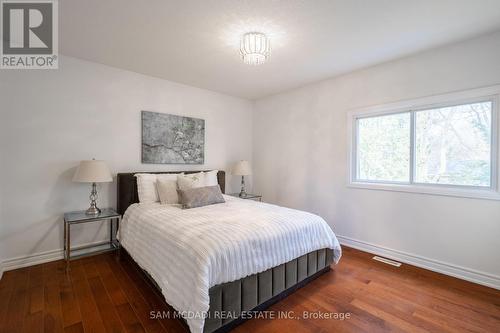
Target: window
[453,145]
[384,148]
[446,145]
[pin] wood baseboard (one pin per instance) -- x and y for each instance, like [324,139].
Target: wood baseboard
[38,258]
[463,273]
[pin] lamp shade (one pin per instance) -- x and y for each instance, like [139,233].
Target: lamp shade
[242,168]
[92,171]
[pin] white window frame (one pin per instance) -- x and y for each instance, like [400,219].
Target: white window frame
[420,104]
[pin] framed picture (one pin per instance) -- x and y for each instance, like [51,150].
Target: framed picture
[171,139]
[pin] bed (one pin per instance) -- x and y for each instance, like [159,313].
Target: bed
[219,263]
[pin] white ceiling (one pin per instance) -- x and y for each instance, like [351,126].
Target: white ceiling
[196,42]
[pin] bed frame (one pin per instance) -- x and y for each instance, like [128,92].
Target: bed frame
[252,293]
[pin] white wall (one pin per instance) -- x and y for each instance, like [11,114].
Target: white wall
[300,160]
[52,119]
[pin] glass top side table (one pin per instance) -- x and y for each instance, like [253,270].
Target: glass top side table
[256,197]
[79,217]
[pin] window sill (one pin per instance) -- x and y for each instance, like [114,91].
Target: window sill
[431,190]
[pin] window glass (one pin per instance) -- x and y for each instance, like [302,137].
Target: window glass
[453,145]
[383,148]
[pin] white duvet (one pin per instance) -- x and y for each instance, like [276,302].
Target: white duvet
[189,251]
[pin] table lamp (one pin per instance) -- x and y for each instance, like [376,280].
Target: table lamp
[92,171]
[242,168]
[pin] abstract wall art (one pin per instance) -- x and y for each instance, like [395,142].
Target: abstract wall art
[171,139]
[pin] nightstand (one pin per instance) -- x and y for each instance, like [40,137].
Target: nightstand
[80,217]
[255,197]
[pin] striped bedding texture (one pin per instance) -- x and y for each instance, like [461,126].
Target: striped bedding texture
[189,251]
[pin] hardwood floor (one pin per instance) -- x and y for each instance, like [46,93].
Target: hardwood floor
[103,294]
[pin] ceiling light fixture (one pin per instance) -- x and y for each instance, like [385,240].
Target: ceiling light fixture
[255,48]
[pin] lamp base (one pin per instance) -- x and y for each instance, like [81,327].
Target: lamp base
[243,193]
[93,211]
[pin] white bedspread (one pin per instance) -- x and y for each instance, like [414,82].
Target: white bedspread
[189,251]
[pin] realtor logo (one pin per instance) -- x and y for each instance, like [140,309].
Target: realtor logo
[29,34]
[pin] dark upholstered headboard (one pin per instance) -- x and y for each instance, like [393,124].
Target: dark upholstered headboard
[127,187]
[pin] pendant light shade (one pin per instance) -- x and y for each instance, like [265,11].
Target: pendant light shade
[255,48]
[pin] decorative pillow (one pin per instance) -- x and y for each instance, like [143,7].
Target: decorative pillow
[192,180]
[168,176]
[200,196]
[211,178]
[167,191]
[146,185]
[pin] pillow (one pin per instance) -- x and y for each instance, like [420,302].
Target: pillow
[192,180]
[167,191]
[211,178]
[200,196]
[146,185]
[168,176]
